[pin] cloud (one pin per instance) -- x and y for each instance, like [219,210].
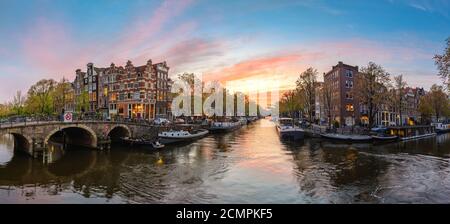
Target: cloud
[50,50]
[417,6]
[148,28]
[441,7]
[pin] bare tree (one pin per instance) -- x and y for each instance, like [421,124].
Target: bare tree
[326,100]
[371,87]
[443,64]
[18,103]
[399,95]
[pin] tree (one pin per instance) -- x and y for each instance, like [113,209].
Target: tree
[425,109]
[399,95]
[290,102]
[443,64]
[371,85]
[40,96]
[18,103]
[60,95]
[438,100]
[306,85]
[5,110]
[82,101]
[326,95]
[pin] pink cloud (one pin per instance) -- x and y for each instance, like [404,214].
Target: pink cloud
[146,28]
[49,49]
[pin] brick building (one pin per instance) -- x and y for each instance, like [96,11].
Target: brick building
[140,92]
[344,107]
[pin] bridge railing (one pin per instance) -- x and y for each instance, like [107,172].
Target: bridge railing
[36,120]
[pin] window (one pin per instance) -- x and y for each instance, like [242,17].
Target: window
[136,95]
[348,84]
[349,95]
[129,96]
[130,85]
[139,75]
[121,96]
[349,107]
[349,73]
[142,96]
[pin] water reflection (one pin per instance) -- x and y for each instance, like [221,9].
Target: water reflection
[250,165]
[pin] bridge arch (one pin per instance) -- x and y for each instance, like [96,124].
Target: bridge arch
[118,131]
[22,142]
[76,134]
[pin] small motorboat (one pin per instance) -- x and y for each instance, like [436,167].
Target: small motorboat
[348,138]
[157,145]
[168,137]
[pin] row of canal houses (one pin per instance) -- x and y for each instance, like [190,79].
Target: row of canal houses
[347,111]
[135,92]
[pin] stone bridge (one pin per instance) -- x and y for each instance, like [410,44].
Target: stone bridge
[32,137]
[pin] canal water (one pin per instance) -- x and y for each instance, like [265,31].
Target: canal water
[250,165]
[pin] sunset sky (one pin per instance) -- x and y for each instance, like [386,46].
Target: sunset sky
[220,39]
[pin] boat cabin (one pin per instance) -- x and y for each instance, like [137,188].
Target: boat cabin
[411,131]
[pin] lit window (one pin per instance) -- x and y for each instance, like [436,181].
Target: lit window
[349,107]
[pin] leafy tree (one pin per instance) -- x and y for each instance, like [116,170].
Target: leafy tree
[438,100]
[40,97]
[306,86]
[290,102]
[425,109]
[371,85]
[82,101]
[59,95]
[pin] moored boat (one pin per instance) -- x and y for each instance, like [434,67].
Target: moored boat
[441,128]
[412,132]
[141,142]
[218,127]
[287,129]
[384,138]
[347,138]
[169,137]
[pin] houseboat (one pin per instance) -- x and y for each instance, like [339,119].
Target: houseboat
[412,132]
[441,128]
[347,138]
[382,134]
[287,129]
[172,136]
